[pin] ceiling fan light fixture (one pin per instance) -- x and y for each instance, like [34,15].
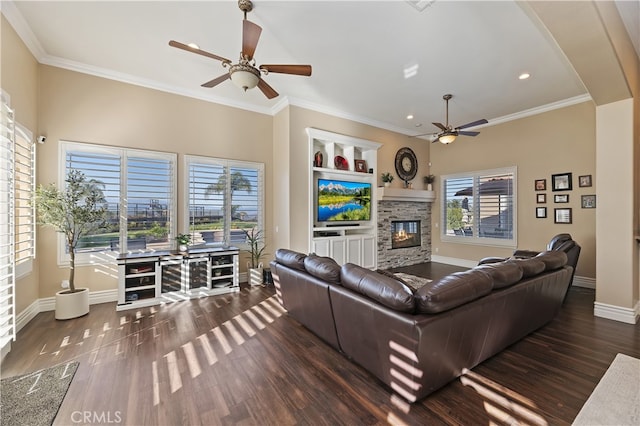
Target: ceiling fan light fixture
[244,76]
[447,138]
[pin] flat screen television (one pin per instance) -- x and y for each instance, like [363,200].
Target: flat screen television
[342,202]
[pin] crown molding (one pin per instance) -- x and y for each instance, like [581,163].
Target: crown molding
[13,15]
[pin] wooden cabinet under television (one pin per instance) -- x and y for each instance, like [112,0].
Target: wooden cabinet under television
[345,161]
[146,279]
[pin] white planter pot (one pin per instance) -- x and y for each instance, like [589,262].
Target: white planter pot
[183,248]
[255,275]
[429,187]
[72,305]
[387,184]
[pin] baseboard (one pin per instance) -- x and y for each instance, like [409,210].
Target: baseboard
[27,314]
[454,261]
[95,297]
[617,313]
[584,282]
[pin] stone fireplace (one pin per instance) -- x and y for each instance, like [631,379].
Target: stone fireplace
[404,227]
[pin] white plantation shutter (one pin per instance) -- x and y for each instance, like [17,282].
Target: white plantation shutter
[25,185]
[224,197]
[139,187]
[7,225]
[480,207]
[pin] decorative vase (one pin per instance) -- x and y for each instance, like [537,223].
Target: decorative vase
[256,275]
[429,187]
[317,159]
[72,305]
[387,184]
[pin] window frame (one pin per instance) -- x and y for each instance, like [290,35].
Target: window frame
[227,164]
[109,256]
[477,239]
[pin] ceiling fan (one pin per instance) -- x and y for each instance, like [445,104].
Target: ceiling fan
[449,133]
[245,74]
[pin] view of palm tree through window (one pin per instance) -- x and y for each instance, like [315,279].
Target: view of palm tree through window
[224,198]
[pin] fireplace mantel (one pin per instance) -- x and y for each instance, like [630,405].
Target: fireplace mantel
[405,194]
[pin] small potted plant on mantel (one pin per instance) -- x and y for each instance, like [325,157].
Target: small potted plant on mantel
[387,178]
[429,179]
[75,211]
[183,242]
[255,239]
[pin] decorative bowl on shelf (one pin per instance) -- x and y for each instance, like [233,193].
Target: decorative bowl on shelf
[341,163]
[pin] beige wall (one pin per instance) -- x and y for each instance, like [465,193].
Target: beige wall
[301,157]
[541,145]
[18,77]
[82,108]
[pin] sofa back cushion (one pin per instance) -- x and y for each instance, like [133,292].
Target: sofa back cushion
[384,289]
[503,274]
[324,268]
[530,267]
[552,259]
[453,290]
[291,258]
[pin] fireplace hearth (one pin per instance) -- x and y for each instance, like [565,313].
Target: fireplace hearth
[405,233]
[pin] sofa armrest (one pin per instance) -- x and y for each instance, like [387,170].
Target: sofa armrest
[487,260]
[525,254]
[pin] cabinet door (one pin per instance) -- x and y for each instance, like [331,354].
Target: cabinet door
[354,250]
[321,247]
[339,250]
[369,251]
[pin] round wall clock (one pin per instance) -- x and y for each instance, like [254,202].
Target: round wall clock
[406,164]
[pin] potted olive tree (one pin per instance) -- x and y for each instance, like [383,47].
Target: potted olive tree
[255,239]
[75,211]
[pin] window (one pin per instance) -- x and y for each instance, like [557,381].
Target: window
[24,214]
[7,225]
[139,187]
[480,207]
[224,198]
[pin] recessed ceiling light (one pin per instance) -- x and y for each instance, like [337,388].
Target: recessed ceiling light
[195,46]
[524,76]
[410,117]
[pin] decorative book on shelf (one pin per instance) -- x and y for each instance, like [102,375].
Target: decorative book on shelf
[141,269]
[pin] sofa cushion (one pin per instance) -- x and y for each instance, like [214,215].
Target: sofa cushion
[291,258]
[503,274]
[384,289]
[530,267]
[453,290]
[553,259]
[324,268]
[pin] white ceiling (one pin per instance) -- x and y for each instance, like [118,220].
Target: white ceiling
[358,49]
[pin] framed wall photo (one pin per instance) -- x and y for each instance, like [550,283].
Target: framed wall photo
[562,215]
[360,166]
[584,181]
[588,202]
[541,212]
[541,185]
[561,198]
[541,198]
[561,182]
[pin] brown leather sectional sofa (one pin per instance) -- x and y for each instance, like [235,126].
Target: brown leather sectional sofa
[418,341]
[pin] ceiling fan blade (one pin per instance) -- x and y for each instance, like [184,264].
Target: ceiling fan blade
[250,36]
[468,133]
[266,89]
[216,81]
[188,48]
[440,126]
[288,69]
[472,124]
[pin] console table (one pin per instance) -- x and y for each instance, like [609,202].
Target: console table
[146,279]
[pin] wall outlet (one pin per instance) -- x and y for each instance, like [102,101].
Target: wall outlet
[437,249]
[65,284]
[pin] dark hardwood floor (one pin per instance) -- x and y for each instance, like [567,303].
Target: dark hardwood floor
[239,359]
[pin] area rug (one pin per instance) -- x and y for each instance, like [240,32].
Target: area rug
[616,398]
[34,398]
[413,281]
